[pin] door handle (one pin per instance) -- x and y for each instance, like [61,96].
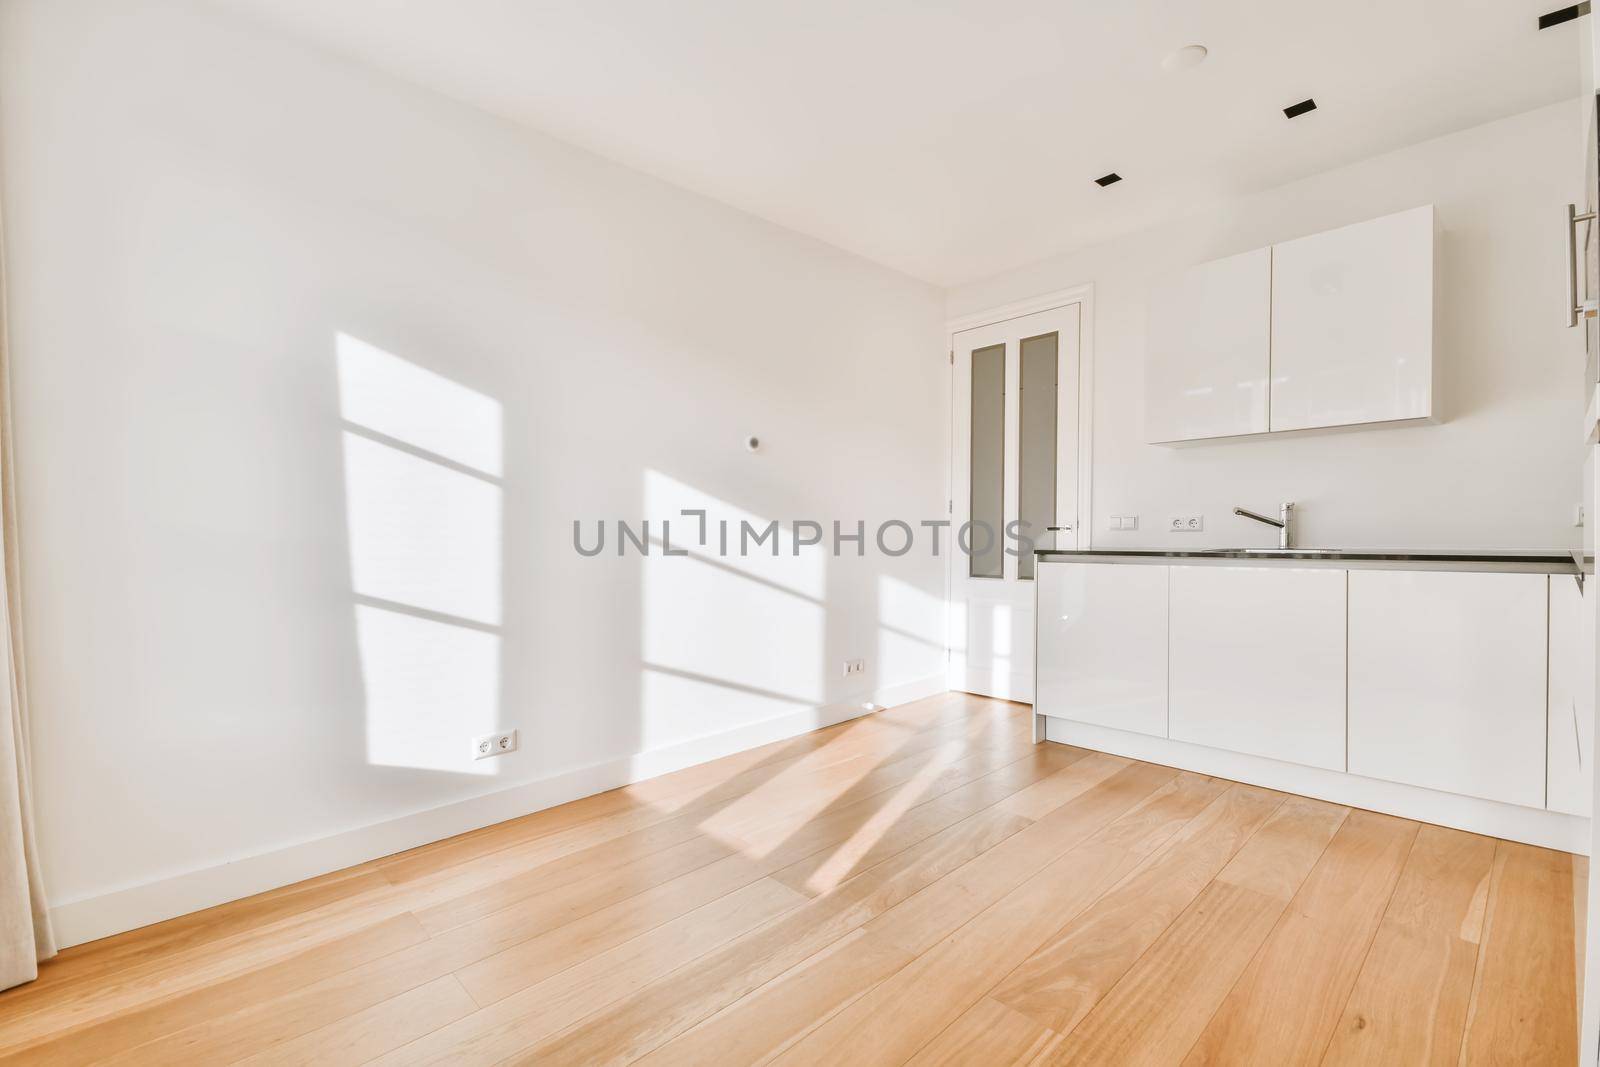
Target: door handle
[1575,310]
[1057,529]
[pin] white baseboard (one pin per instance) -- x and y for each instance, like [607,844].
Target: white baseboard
[89,918]
[1533,826]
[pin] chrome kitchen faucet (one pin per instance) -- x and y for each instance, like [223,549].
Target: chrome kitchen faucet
[1284,522]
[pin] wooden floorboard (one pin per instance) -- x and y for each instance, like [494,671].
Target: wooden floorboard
[1410,1002]
[923,885]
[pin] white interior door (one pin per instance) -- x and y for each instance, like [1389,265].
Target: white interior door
[1014,475]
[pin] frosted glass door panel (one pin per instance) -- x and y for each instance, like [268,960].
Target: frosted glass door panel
[1037,465]
[988,461]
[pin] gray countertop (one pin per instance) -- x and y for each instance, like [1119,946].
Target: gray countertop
[1515,560]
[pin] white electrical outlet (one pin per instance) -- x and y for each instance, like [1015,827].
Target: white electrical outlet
[494,744]
[854,666]
[1187,523]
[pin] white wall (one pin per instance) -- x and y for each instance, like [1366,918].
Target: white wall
[260,614]
[1502,470]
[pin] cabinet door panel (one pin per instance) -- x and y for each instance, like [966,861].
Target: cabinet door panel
[1102,651]
[1352,324]
[1570,726]
[1257,661]
[1447,681]
[1206,357]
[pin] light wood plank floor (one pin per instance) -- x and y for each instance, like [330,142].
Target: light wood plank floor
[921,886]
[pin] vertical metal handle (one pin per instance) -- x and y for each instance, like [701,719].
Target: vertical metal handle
[1575,310]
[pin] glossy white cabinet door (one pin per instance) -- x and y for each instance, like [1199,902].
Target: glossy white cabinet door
[1103,645]
[1570,726]
[1447,681]
[1205,371]
[1352,324]
[1257,661]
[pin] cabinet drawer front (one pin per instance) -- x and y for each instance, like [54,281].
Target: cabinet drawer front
[1257,662]
[1102,655]
[1447,681]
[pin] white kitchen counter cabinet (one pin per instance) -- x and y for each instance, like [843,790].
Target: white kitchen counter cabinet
[1448,681]
[1258,662]
[1103,645]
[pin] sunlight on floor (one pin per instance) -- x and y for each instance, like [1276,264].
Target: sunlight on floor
[825,780]
[846,859]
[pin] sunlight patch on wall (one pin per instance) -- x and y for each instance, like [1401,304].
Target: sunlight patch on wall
[726,641]
[679,707]
[423,500]
[911,627]
[398,399]
[998,637]
[665,498]
[430,687]
[421,534]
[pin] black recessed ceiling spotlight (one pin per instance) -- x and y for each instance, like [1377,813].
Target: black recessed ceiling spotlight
[1108,179]
[1566,14]
[1294,111]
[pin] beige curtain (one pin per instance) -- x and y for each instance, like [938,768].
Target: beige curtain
[25,936]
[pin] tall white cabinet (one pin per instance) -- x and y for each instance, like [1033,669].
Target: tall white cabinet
[1333,329]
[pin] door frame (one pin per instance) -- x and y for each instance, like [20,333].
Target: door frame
[1083,525]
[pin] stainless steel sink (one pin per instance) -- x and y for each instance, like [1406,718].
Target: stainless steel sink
[1292,551]
[1272,553]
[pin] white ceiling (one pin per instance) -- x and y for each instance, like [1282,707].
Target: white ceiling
[953,139]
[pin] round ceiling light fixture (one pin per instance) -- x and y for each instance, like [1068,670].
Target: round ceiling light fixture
[1190,55]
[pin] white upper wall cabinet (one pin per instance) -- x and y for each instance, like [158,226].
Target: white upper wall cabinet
[1335,329]
[1352,324]
[1206,369]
